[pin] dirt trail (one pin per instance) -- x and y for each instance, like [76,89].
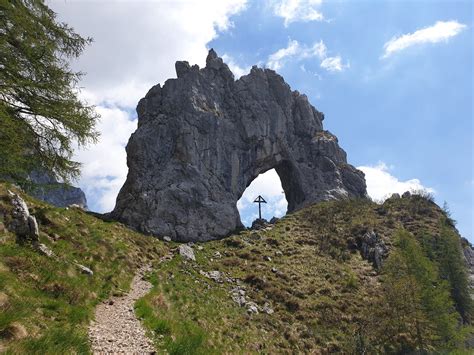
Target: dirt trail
[116,328]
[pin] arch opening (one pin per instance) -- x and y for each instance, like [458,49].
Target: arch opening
[269,186]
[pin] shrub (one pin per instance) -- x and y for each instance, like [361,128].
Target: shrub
[424,194]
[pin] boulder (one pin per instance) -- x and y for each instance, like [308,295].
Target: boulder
[23,224]
[238,296]
[252,307]
[203,137]
[187,252]
[267,309]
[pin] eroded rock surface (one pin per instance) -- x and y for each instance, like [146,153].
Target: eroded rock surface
[203,138]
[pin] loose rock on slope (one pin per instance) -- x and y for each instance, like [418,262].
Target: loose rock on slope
[203,138]
[116,329]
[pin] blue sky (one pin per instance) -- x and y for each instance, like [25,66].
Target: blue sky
[394,79]
[412,110]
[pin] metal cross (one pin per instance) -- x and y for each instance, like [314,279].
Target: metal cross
[260,200]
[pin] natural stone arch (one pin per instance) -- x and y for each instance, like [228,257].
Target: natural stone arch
[203,137]
[268,186]
[289,179]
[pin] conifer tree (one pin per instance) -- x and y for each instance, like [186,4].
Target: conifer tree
[453,269]
[420,315]
[41,116]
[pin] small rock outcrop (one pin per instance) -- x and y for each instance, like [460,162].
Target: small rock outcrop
[48,189]
[373,249]
[23,224]
[204,137]
[260,223]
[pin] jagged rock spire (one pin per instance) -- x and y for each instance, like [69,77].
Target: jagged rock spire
[204,137]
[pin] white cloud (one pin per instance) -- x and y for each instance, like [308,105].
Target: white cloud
[295,50]
[334,64]
[298,10]
[104,165]
[276,60]
[440,31]
[318,49]
[269,186]
[136,44]
[381,184]
[237,70]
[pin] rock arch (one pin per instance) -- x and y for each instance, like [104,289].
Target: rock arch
[203,138]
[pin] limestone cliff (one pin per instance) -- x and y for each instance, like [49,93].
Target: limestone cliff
[204,137]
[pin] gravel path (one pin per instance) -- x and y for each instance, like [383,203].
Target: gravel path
[116,329]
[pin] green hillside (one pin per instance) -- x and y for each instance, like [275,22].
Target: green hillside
[324,296]
[300,285]
[46,303]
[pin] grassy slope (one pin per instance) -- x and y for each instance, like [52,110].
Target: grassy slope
[319,292]
[46,304]
[319,287]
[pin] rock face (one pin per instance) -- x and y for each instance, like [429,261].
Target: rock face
[58,194]
[203,138]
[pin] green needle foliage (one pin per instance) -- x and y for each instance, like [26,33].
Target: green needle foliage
[420,312]
[445,249]
[41,116]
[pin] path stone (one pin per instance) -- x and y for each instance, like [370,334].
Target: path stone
[116,329]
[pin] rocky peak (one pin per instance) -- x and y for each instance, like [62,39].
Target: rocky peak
[215,63]
[203,138]
[182,67]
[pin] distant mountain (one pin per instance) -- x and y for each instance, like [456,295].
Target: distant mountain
[48,189]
